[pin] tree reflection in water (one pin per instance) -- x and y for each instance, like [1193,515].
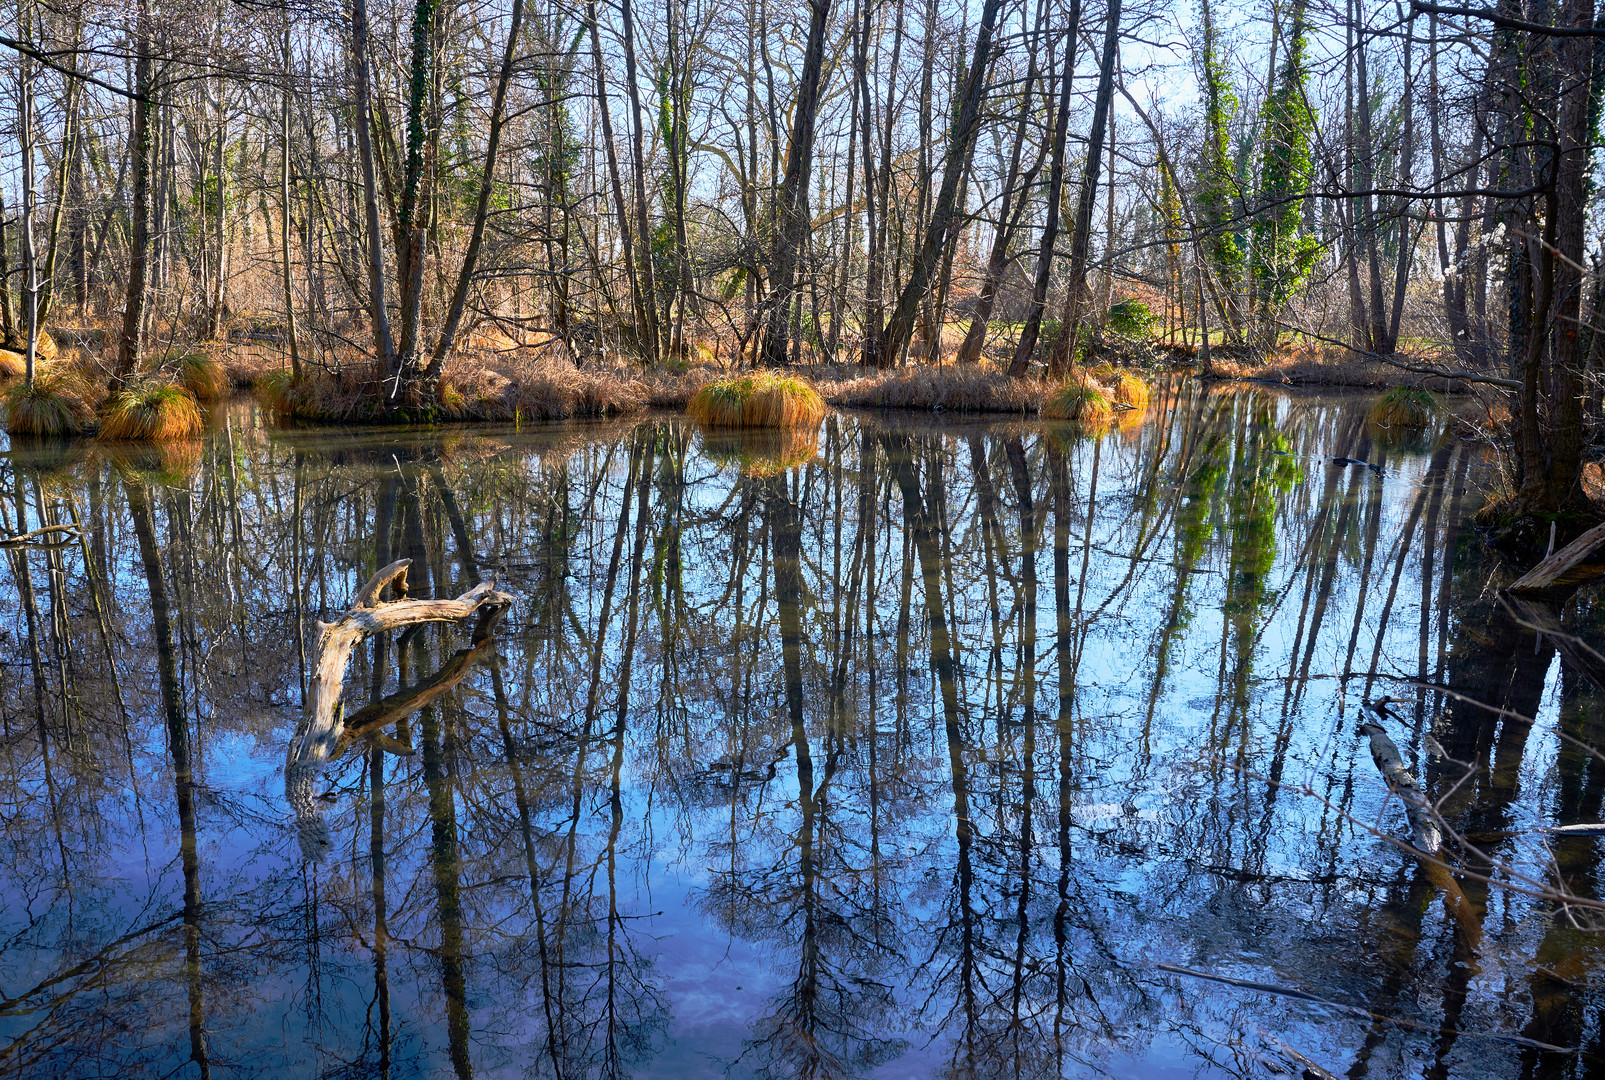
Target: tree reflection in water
[785,769]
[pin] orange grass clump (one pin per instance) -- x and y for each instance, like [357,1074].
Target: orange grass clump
[52,405]
[200,374]
[759,400]
[1131,392]
[151,412]
[1080,400]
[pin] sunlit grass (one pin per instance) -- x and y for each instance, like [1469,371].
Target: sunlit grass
[151,412]
[1131,391]
[200,373]
[759,400]
[1079,399]
[52,405]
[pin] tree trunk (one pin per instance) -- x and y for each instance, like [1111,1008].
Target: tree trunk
[378,312]
[651,345]
[487,175]
[287,280]
[939,232]
[1009,212]
[791,216]
[132,340]
[1069,328]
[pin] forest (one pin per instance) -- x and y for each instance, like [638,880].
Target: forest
[850,539]
[512,211]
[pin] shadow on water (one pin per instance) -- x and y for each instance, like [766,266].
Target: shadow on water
[902,748]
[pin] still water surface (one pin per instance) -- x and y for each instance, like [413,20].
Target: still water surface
[939,754]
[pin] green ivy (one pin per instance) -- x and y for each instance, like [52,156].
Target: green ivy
[1283,251]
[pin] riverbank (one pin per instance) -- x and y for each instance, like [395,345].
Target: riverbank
[524,385]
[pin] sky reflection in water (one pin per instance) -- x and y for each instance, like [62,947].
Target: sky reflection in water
[926,757]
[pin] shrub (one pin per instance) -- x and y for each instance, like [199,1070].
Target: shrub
[53,404]
[151,412]
[759,400]
[1131,318]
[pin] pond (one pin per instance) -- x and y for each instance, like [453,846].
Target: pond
[918,748]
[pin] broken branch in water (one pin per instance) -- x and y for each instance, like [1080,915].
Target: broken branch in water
[19,539]
[1424,832]
[1553,567]
[370,721]
[1355,1010]
[317,737]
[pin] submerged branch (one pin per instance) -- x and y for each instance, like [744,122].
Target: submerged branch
[317,738]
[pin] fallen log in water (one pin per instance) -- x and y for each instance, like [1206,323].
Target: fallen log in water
[318,737]
[1424,832]
[1425,835]
[1550,571]
[369,722]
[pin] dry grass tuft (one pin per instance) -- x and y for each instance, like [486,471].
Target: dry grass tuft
[540,390]
[759,400]
[151,412]
[761,452]
[12,364]
[54,404]
[1131,391]
[278,392]
[1403,407]
[964,388]
[200,373]
[1081,400]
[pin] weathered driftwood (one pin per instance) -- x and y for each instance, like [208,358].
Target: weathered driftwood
[1554,566]
[318,736]
[1424,832]
[18,539]
[369,722]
